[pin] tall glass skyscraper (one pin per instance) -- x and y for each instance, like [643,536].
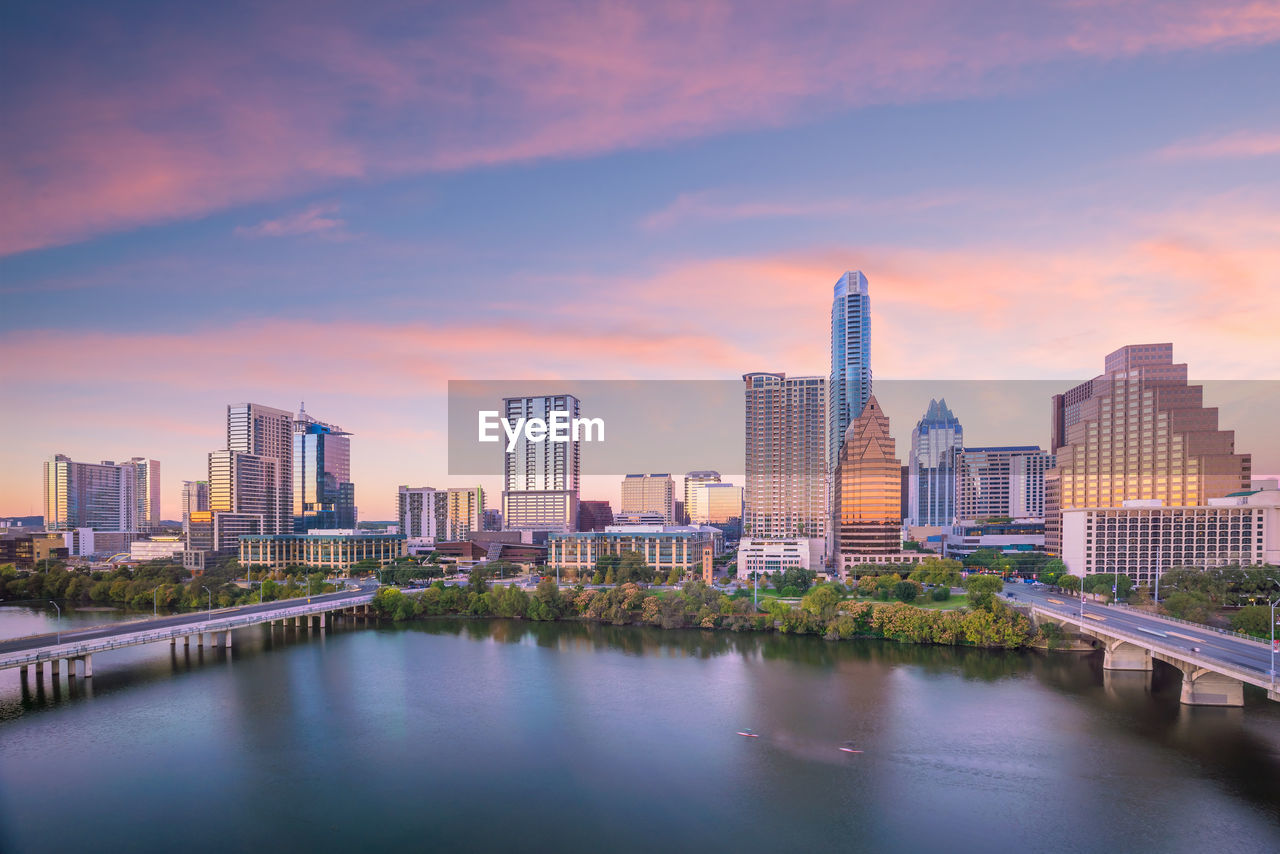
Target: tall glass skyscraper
[936,446]
[323,494]
[849,384]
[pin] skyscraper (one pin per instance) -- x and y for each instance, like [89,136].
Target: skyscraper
[867,492]
[323,494]
[691,480]
[251,482]
[540,483]
[195,499]
[442,515]
[935,451]
[146,493]
[849,384]
[649,493]
[1001,481]
[1138,432]
[105,496]
[786,456]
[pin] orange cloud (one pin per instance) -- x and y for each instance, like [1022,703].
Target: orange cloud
[199,119]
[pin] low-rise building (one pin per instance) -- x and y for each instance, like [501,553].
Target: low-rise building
[336,550]
[1243,528]
[966,538]
[686,548]
[156,548]
[26,550]
[775,555]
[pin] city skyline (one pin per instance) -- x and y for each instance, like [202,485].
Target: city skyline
[1061,163]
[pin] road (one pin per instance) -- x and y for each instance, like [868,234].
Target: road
[192,619]
[1212,645]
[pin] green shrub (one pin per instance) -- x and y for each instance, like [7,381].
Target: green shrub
[940,594]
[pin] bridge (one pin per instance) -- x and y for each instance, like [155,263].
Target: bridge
[1215,665]
[78,646]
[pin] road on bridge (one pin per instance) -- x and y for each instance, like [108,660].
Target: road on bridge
[1212,645]
[193,619]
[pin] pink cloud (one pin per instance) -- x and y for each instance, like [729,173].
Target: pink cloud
[313,220]
[1244,144]
[279,104]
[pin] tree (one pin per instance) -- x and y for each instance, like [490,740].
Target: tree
[905,591]
[822,601]
[632,567]
[546,603]
[1253,620]
[1069,583]
[1195,607]
[800,579]
[1052,571]
[982,589]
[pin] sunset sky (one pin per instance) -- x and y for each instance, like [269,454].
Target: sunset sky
[351,204]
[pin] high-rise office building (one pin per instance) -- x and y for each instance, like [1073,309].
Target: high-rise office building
[440,515]
[935,454]
[691,480]
[1138,432]
[323,494]
[594,515]
[849,384]
[195,499]
[541,480]
[867,491]
[251,481]
[146,493]
[786,457]
[105,496]
[715,503]
[999,482]
[649,493]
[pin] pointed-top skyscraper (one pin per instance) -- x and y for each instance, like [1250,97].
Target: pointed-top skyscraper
[936,444]
[867,490]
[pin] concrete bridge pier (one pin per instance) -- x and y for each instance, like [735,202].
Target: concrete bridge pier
[227,641]
[1202,687]
[1121,655]
[186,641]
[87,666]
[55,668]
[24,672]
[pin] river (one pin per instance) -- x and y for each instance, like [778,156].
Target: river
[500,735]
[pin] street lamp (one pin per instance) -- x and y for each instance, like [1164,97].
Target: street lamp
[1273,605]
[155,602]
[210,592]
[60,625]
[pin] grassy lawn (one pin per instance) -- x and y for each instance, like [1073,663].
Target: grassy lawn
[956,601]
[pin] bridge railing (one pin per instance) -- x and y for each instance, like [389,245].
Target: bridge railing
[1193,623]
[74,649]
[1244,672]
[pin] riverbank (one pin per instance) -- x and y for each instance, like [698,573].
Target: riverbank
[994,625]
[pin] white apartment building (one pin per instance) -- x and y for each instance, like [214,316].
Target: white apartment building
[1142,535]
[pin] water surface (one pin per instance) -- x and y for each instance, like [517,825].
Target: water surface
[479,735]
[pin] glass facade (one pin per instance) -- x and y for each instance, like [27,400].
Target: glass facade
[936,444]
[323,494]
[1138,432]
[868,487]
[849,385]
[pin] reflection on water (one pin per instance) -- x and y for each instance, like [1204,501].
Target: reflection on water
[567,732]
